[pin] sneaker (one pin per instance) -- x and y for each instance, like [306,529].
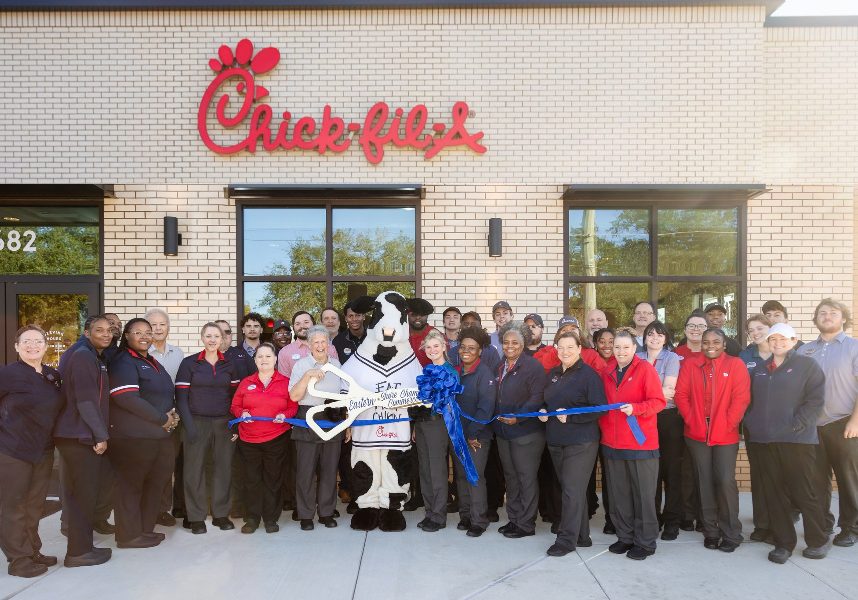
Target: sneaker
[26,567]
[779,555]
[619,547]
[639,553]
[818,552]
[96,556]
[558,550]
[670,533]
[727,546]
[166,519]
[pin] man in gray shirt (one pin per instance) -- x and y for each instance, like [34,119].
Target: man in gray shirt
[837,354]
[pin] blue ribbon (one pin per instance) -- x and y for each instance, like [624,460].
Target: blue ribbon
[439,386]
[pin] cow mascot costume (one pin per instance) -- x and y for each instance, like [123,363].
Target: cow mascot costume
[381,461]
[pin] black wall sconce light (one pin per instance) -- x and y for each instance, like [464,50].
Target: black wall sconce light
[495,237]
[172,237]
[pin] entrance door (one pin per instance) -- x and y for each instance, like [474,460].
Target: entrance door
[60,308]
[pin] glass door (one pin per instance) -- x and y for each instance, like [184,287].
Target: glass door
[58,308]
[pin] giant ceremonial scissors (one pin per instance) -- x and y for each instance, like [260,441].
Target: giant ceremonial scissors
[355,401]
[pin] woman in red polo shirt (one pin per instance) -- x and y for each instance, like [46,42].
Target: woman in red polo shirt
[262,444]
[712,393]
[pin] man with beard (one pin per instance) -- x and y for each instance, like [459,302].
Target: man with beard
[282,335]
[242,355]
[837,354]
[348,340]
[418,326]
[537,327]
[286,359]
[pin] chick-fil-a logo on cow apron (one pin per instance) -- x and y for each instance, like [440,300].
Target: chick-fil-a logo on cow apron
[331,133]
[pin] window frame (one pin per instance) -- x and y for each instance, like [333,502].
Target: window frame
[328,278]
[653,204]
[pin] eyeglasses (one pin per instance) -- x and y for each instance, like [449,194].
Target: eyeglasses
[698,327]
[140,333]
[31,342]
[469,349]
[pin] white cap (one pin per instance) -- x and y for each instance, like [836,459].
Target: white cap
[781,329]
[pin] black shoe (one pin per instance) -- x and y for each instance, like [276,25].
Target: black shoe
[413,504]
[96,556]
[295,516]
[26,567]
[224,523]
[845,539]
[422,523]
[452,507]
[555,527]
[818,552]
[517,533]
[166,519]
[250,526]
[328,522]
[179,513]
[352,507]
[41,559]
[638,553]
[558,550]
[699,527]
[273,527]
[198,527]
[103,527]
[475,531]
[779,555]
[711,543]
[619,547]
[432,526]
[464,525]
[760,535]
[504,528]
[288,505]
[307,525]
[141,541]
[492,516]
[609,529]
[584,542]
[336,514]
[686,525]
[727,546]
[185,523]
[670,533]
[157,536]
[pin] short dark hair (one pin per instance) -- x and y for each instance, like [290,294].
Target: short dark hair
[478,334]
[661,328]
[27,328]
[472,314]
[451,309]
[696,313]
[717,331]
[252,316]
[837,305]
[327,308]
[597,335]
[87,326]
[774,305]
[303,312]
[568,334]
[647,302]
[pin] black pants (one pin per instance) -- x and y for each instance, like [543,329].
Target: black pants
[104,500]
[715,472]
[495,484]
[789,476]
[143,467]
[671,442]
[472,498]
[289,464]
[759,501]
[690,495]
[213,438]
[173,496]
[520,459]
[592,498]
[632,484]
[22,498]
[316,477]
[263,478]
[550,492]
[840,456]
[432,442]
[573,465]
[82,472]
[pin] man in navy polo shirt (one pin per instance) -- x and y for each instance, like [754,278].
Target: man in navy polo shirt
[348,340]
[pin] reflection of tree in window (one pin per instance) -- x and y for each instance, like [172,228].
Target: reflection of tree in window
[697,242]
[59,250]
[60,315]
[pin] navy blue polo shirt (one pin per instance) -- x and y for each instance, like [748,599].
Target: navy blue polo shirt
[141,395]
[29,404]
[577,387]
[204,389]
[244,363]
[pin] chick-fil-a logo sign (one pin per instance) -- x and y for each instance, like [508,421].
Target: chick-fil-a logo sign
[331,133]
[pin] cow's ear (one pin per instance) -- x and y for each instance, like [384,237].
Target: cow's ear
[363,304]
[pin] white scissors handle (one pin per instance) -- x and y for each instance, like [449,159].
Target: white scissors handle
[340,401]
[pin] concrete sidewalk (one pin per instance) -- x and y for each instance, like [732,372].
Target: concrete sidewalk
[344,564]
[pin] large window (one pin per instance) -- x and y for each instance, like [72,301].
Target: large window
[679,258]
[307,257]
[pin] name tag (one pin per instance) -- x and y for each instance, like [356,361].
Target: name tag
[252,386]
[347,350]
[296,357]
[751,364]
